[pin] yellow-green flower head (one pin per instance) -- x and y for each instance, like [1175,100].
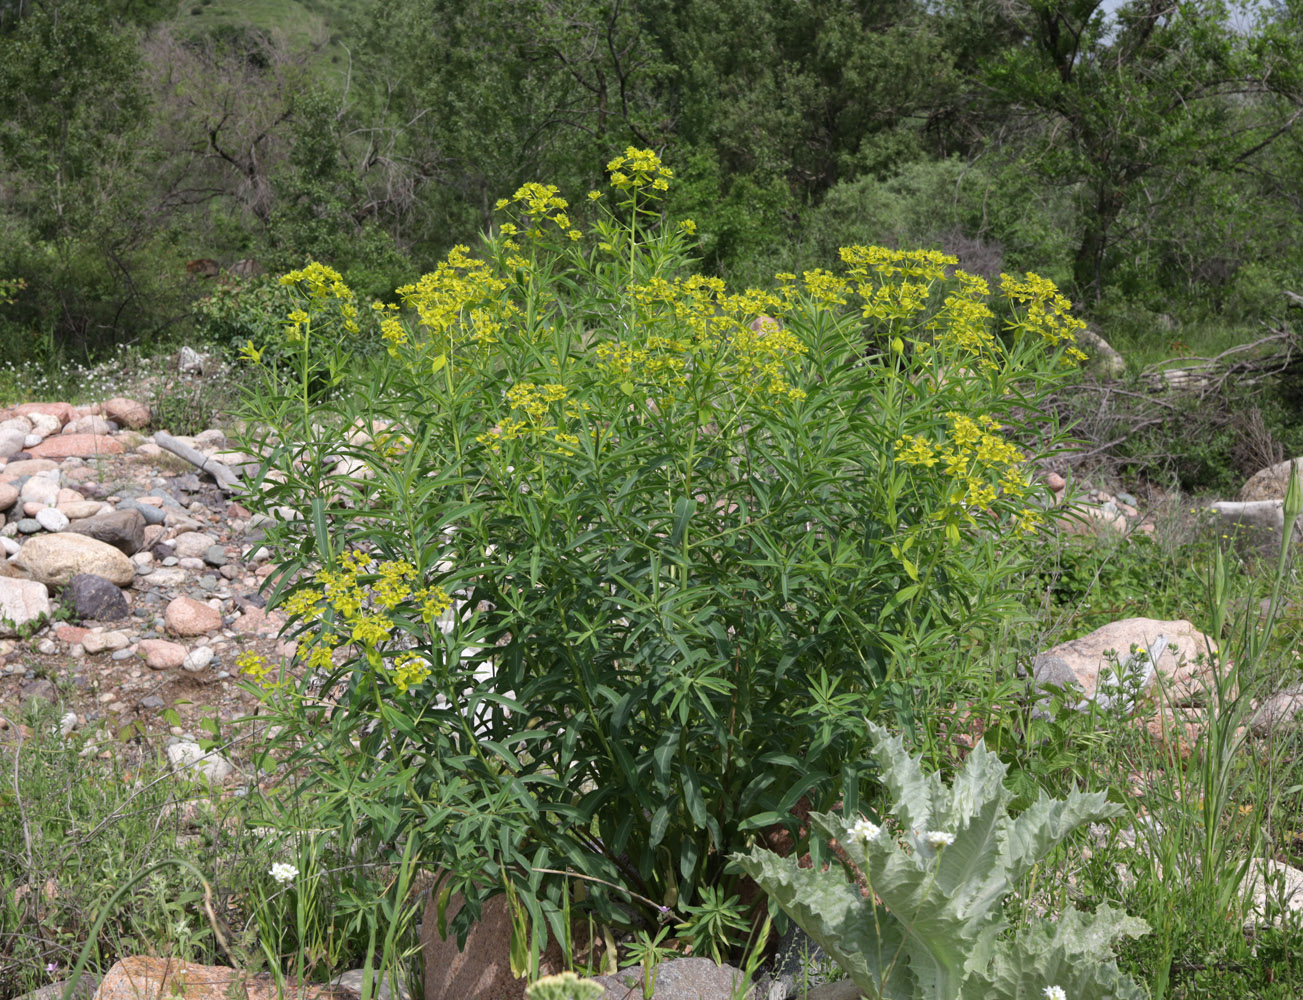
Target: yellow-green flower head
[639,168]
[319,282]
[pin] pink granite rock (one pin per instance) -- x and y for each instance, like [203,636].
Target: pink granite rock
[186,616]
[160,654]
[80,445]
[126,412]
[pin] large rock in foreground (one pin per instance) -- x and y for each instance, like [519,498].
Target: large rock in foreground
[56,559]
[1171,654]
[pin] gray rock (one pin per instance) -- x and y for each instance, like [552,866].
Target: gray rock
[151,514]
[29,526]
[1258,525]
[12,441]
[96,598]
[215,555]
[681,979]
[86,986]
[353,980]
[190,362]
[153,702]
[1281,709]
[123,529]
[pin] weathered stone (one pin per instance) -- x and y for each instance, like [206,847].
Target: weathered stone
[8,495]
[22,602]
[126,412]
[198,659]
[51,519]
[41,490]
[160,654]
[28,467]
[1271,886]
[192,544]
[1186,674]
[12,442]
[482,969]
[1280,711]
[97,599]
[191,756]
[1270,483]
[78,510]
[88,425]
[56,559]
[81,445]
[123,529]
[151,513]
[186,616]
[1258,525]
[60,411]
[681,979]
[141,978]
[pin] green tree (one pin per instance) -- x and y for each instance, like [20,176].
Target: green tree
[1127,111]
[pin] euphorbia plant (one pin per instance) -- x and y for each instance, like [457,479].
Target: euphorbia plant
[927,922]
[691,534]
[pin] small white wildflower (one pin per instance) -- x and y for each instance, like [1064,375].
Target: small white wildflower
[938,838]
[864,830]
[284,873]
[1055,993]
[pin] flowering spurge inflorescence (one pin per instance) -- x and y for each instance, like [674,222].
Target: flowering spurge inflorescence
[932,925]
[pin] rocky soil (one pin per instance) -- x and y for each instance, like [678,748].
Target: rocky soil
[131,583]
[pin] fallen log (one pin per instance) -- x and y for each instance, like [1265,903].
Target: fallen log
[226,479]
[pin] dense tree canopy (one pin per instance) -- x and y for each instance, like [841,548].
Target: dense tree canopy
[1149,155]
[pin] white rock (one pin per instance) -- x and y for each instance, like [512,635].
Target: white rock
[68,723]
[191,756]
[21,602]
[198,659]
[10,545]
[44,424]
[40,490]
[1275,883]
[52,519]
[31,441]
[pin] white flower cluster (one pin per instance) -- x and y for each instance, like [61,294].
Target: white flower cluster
[284,873]
[937,838]
[1055,993]
[864,830]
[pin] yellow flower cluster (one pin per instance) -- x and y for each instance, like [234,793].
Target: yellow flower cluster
[319,282]
[1048,314]
[637,169]
[537,201]
[982,465]
[461,295]
[926,266]
[719,341]
[538,403]
[362,595]
[535,400]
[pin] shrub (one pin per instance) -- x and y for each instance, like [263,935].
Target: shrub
[607,564]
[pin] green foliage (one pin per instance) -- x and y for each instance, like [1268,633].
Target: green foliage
[684,547]
[938,871]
